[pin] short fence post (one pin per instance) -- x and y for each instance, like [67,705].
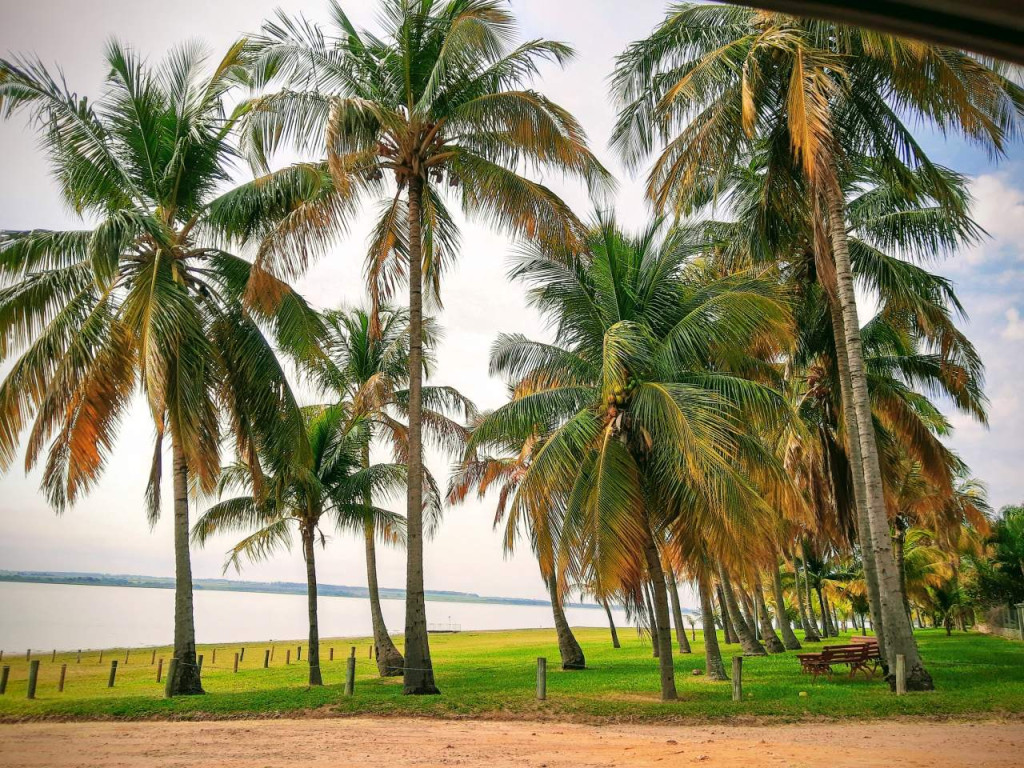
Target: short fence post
[271,653]
[1020,619]
[737,678]
[214,659]
[542,678]
[288,656]
[241,656]
[350,674]
[113,673]
[332,655]
[28,655]
[172,668]
[901,674]
[160,669]
[369,651]
[298,653]
[126,652]
[101,657]
[152,659]
[236,662]
[53,657]
[1,654]
[266,658]
[33,677]
[78,659]
[200,664]
[4,674]
[63,672]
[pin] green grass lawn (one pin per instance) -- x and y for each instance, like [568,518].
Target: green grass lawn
[493,674]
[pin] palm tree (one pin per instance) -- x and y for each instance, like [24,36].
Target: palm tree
[144,300]
[710,81]
[366,366]
[332,482]
[539,523]
[436,104]
[644,417]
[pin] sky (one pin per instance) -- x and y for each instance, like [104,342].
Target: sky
[108,531]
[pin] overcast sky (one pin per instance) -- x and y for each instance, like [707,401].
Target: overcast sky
[108,530]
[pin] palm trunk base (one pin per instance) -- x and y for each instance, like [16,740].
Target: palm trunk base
[390,662]
[187,681]
[315,678]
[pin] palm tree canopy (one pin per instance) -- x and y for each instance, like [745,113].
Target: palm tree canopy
[145,297]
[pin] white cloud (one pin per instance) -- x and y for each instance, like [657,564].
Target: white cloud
[1014,330]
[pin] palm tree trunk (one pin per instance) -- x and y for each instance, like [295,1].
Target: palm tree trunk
[677,613]
[747,610]
[826,621]
[568,648]
[789,640]
[727,628]
[749,643]
[713,666]
[652,622]
[611,624]
[418,670]
[899,541]
[664,637]
[186,679]
[309,554]
[389,659]
[899,635]
[810,602]
[772,643]
[859,491]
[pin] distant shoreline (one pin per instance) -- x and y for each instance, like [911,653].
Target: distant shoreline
[268,587]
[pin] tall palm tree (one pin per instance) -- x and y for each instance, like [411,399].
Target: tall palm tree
[331,482]
[367,366]
[145,299]
[710,81]
[433,107]
[644,408]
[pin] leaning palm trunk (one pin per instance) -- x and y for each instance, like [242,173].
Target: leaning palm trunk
[745,634]
[713,666]
[611,624]
[727,629]
[418,670]
[810,635]
[789,640]
[677,613]
[817,634]
[899,540]
[664,631]
[568,648]
[652,622]
[308,552]
[747,610]
[185,676]
[826,615]
[389,659]
[772,643]
[899,635]
[859,492]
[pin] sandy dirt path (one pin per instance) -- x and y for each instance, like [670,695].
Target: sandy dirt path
[339,743]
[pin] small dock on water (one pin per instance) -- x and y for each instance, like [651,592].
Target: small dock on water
[444,629]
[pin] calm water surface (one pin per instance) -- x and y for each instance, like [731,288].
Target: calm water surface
[69,616]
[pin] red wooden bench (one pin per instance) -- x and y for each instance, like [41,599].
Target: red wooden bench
[874,656]
[856,655]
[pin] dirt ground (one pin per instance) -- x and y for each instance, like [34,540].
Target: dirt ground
[341,742]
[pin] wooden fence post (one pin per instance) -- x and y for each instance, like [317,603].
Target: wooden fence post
[126,652]
[63,673]
[350,674]
[266,658]
[298,653]
[113,673]
[33,678]
[236,662]
[332,654]
[152,659]
[28,655]
[172,667]
[737,678]
[241,656]
[369,651]
[542,678]
[78,659]
[101,657]
[214,659]
[901,674]
[160,669]
[288,656]
[4,674]
[53,657]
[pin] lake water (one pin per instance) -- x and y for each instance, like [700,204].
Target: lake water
[69,616]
